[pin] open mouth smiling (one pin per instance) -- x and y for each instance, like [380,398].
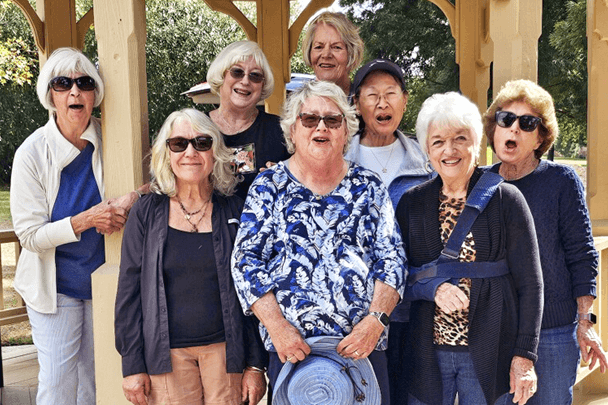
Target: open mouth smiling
[320,139]
[242,92]
[76,107]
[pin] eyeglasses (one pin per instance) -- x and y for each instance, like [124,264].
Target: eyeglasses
[238,73]
[312,120]
[62,83]
[527,123]
[392,97]
[179,144]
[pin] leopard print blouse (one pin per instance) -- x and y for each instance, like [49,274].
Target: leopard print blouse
[453,329]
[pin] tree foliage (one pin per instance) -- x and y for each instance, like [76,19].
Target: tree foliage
[415,34]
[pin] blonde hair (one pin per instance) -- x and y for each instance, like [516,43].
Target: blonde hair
[163,179]
[347,30]
[234,53]
[66,62]
[539,100]
[316,88]
[448,110]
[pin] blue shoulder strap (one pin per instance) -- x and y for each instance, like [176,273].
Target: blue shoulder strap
[476,202]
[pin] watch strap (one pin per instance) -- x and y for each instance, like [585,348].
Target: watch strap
[381,317]
[587,317]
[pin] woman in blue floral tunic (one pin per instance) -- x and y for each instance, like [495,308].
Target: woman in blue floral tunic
[318,252]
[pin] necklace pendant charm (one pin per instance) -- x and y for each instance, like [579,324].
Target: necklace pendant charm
[187,217]
[384,170]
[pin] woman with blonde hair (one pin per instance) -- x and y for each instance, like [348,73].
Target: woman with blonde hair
[241,76]
[179,327]
[333,48]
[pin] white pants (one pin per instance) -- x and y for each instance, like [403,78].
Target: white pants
[65,353]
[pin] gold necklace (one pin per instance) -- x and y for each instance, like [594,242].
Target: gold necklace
[188,215]
[241,128]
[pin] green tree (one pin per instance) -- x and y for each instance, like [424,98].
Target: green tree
[415,34]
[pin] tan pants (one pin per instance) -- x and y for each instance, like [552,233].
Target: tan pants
[198,377]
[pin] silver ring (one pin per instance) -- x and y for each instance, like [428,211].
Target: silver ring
[289,358]
[357,353]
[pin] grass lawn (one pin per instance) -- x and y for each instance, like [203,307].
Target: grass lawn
[5,211]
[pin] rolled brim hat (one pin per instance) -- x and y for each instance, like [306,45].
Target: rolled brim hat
[324,377]
[378,64]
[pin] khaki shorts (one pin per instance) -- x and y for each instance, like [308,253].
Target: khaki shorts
[198,377]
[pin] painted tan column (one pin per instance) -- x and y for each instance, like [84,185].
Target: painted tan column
[273,38]
[474,54]
[597,119]
[59,18]
[120,27]
[515,27]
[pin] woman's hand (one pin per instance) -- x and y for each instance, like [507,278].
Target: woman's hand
[362,340]
[136,388]
[104,216]
[523,380]
[449,298]
[253,386]
[269,164]
[289,344]
[591,346]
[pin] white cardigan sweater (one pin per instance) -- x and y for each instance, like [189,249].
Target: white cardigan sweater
[34,186]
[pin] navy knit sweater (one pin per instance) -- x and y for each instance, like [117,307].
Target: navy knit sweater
[569,261]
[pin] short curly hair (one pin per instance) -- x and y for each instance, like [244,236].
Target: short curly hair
[316,88]
[539,100]
[347,30]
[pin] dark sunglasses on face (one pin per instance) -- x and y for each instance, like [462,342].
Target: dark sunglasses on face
[62,83]
[527,123]
[312,120]
[179,144]
[238,73]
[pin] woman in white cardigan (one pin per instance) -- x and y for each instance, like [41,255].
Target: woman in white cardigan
[60,218]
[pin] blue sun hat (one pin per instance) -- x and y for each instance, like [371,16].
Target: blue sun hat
[326,378]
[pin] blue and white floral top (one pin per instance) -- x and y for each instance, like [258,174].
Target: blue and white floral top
[319,255]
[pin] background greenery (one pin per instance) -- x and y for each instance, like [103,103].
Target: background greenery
[184,36]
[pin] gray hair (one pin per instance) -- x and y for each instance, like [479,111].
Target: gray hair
[163,180]
[348,32]
[66,62]
[234,53]
[316,88]
[449,110]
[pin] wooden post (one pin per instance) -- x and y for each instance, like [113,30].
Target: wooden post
[474,55]
[597,119]
[120,27]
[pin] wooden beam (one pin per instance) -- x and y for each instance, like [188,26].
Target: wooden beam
[298,25]
[227,7]
[34,21]
[449,10]
[82,27]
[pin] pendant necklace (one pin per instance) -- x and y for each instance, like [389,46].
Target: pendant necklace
[389,157]
[241,128]
[188,215]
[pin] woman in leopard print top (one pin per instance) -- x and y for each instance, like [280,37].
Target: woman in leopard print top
[475,337]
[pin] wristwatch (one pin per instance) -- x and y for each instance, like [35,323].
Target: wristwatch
[381,317]
[587,317]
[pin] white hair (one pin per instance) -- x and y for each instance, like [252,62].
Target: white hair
[234,53]
[449,110]
[317,88]
[66,62]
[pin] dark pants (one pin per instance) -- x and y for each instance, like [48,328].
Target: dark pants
[377,358]
[395,366]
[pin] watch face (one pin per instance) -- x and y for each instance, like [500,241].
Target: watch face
[384,319]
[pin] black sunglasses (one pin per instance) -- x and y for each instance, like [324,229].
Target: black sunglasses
[62,83]
[312,120]
[238,73]
[527,123]
[179,144]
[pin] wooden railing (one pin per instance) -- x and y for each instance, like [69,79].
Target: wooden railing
[19,313]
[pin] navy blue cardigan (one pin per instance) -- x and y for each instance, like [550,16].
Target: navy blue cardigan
[505,312]
[141,325]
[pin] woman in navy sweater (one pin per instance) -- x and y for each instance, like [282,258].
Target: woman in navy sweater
[521,126]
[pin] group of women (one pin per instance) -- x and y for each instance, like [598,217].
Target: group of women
[361,267]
